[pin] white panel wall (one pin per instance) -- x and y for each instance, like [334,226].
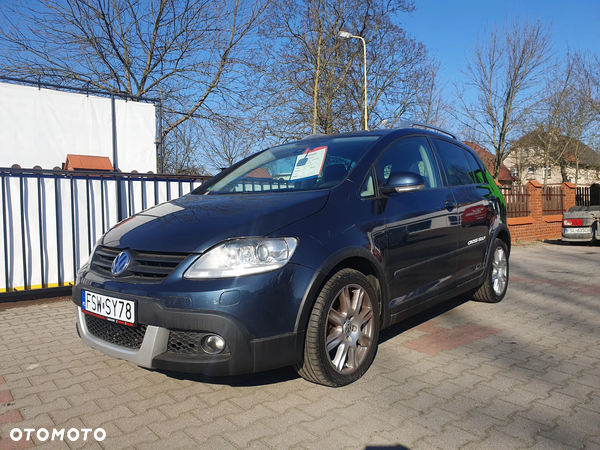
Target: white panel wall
[41,126]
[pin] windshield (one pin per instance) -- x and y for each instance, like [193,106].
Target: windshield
[302,165]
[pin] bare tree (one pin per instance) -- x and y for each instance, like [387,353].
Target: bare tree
[522,160]
[314,79]
[304,35]
[180,151]
[504,67]
[589,70]
[562,121]
[432,106]
[581,124]
[225,143]
[187,52]
[547,137]
[401,70]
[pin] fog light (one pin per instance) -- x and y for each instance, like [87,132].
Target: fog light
[213,344]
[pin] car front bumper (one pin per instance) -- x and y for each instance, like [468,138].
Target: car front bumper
[242,355]
[261,328]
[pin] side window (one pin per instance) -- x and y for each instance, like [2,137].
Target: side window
[411,154]
[476,173]
[458,170]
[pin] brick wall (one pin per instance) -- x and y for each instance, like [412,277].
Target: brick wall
[538,226]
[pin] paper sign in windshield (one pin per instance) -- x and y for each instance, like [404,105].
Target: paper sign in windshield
[309,164]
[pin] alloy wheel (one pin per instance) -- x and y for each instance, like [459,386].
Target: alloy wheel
[499,271]
[349,333]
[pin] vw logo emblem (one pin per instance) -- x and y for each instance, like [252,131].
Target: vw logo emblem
[120,263]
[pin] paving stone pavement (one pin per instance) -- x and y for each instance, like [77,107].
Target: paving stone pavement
[524,373]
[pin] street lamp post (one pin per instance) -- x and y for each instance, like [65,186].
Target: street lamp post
[347,35]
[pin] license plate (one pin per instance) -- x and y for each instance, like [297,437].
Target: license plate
[584,230]
[109,308]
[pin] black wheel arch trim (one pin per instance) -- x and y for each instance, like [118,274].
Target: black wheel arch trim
[502,228]
[323,273]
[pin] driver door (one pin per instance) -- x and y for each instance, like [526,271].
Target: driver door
[421,226]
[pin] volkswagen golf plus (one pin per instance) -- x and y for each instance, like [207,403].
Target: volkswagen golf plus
[298,255]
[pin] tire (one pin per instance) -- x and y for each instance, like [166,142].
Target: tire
[496,275]
[345,314]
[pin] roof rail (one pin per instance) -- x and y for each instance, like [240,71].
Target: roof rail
[409,124]
[312,136]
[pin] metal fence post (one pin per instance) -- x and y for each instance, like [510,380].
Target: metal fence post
[5,232]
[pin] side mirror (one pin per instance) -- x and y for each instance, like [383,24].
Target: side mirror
[403,182]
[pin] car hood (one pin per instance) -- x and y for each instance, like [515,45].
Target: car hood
[194,223]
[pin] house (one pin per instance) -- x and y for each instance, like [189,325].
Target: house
[504,177]
[540,155]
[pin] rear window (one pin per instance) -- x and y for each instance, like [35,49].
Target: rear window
[457,168]
[302,165]
[476,173]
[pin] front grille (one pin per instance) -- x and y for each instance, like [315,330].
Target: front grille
[144,266]
[186,342]
[123,335]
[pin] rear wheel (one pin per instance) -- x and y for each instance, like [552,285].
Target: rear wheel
[342,333]
[496,276]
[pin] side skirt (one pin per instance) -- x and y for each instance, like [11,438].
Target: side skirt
[432,301]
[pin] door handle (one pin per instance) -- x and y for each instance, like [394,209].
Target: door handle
[449,205]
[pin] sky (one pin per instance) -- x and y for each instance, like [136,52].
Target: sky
[450,27]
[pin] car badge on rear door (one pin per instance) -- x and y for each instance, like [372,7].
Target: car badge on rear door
[120,263]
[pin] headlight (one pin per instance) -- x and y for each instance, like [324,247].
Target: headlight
[241,257]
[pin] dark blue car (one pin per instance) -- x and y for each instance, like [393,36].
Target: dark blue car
[298,255]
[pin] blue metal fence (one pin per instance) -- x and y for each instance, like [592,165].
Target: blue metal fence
[52,218]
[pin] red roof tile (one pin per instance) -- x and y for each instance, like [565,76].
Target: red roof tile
[86,162]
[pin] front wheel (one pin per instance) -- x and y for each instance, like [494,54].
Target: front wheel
[496,275]
[342,332]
